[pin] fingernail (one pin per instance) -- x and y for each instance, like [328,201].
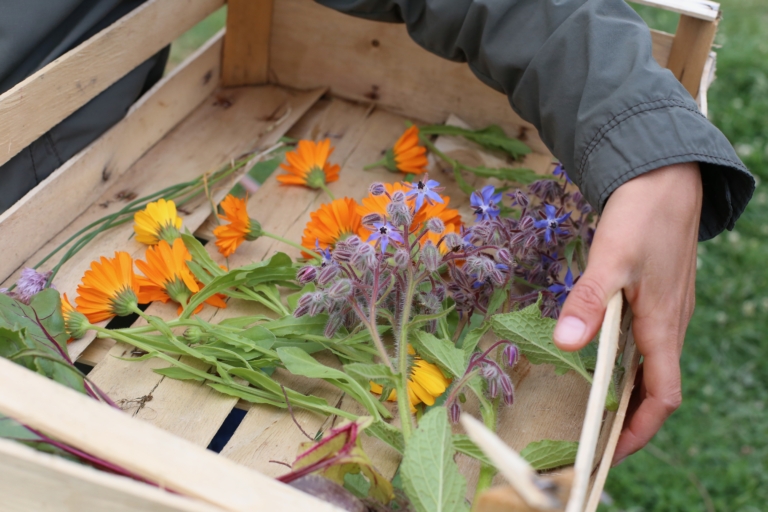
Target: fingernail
[616,463]
[569,331]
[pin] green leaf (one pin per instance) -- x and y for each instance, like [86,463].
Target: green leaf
[472,338]
[178,373]
[299,362]
[440,352]
[431,477]
[291,327]
[363,373]
[387,433]
[549,454]
[242,322]
[519,175]
[465,445]
[201,257]
[245,394]
[491,137]
[533,334]
[497,299]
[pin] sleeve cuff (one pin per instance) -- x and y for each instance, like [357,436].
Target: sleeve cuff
[661,133]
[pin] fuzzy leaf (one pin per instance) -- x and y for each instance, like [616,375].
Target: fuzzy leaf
[468,447]
[533,334]
[497,300]
[364,373]
[472,338]
[549,454]
[431,477]
[491,137]
[440,352]
[387,433]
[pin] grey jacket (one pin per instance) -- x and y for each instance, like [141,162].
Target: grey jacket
[582,72]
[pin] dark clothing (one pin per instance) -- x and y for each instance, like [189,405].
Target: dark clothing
[33,33]
[582,72]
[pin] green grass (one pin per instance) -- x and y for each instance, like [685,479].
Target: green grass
[711,454]
[192,39]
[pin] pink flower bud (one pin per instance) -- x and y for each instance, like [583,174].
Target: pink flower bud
[307,274]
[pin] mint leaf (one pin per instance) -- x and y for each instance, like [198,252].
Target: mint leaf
[548,454]
[443,353]
[431,478]
[533,334]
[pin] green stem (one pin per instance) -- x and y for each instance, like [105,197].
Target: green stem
[487,472]
[292,244]
[325,189]
[403,400]
[265,301]
[380,163]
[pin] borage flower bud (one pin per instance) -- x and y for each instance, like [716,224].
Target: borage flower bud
[526,223]
[341,254]
[327,274]
[317,303]
[453,242]
[372,218]
[520,198]
[307,274]
[399,214]
[340,289]
[511,354]
[507,389]
[490,371]
[454,412]
[334,322]
[353,242]
[504,257]
[430,256]
[493,388]
[398,196]
[402,258]
[365,257]
[436,225]
[377,189]
[439,292]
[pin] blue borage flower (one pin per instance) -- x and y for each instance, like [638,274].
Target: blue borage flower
[425,190]
[486,203]
[325,254]
[384,232]
[561,290]
[560,173]
[551,223]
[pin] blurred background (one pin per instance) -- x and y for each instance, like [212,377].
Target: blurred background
[712,454]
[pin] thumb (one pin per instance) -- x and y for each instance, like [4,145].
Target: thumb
[584,309]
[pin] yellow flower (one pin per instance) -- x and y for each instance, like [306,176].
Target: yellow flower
[108,288]
[332,223]
[240,227]
[75,322]
[158,221]
[167,276]
[308,165]
[426,383]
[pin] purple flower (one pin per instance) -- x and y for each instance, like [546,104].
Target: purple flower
[561,290]
[560,173]
[30,283]
[384,232]
[425,190]
[325,254]
[511,354]
[551,222]
[485,202]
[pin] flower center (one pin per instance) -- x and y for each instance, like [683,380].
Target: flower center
[552,224]
[169,233]
[383,230]
[178,291]
[315,178]
[124,302]
[420,185]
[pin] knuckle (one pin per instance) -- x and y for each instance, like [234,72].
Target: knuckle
[588,294]
[672,401]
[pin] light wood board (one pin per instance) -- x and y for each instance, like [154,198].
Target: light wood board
[702,9]
[246,48]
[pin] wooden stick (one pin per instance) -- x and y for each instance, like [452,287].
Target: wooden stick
[509,463]
[246,46]
[606,357]
[143,449]
[690,51]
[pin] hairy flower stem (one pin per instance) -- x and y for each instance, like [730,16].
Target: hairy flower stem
[372,325]
[403,400]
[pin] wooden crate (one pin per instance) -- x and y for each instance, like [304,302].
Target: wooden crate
[269,75]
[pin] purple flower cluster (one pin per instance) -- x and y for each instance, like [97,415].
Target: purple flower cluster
[30,283]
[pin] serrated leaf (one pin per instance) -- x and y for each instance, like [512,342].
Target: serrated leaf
[472,338]
[491,137]
[431,477]
[533,335]
[443,353]
[549,454]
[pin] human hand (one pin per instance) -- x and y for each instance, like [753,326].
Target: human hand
[645,244]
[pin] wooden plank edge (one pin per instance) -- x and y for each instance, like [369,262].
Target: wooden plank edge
[246,47]
[44,211]
[141,448]
[603,376]
[25,473]
[701,9]
[47,97]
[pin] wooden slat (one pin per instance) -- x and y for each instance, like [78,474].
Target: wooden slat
[662,46]
[690,51]
[33,480]
[40,102]
[246,48]
[701,9]
[365,60]
[143,449]
[72,188]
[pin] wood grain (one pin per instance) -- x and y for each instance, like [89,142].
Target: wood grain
[78,184]
[73,487]
[662,46]
[690,51]
[141,448]
[246,46]
[47,97]
[701,9]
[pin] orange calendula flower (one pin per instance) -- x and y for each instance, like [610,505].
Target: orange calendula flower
[425,384]
[308,165]
[332,223]
[167,276]
[240,227]
[406,156]
[109,288]
[450,217]
[158,221]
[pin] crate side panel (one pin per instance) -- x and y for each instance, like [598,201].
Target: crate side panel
[313,45]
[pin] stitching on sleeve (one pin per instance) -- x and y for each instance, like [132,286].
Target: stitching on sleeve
[614,122]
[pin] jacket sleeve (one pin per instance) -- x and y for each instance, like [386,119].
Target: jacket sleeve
[582,72]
